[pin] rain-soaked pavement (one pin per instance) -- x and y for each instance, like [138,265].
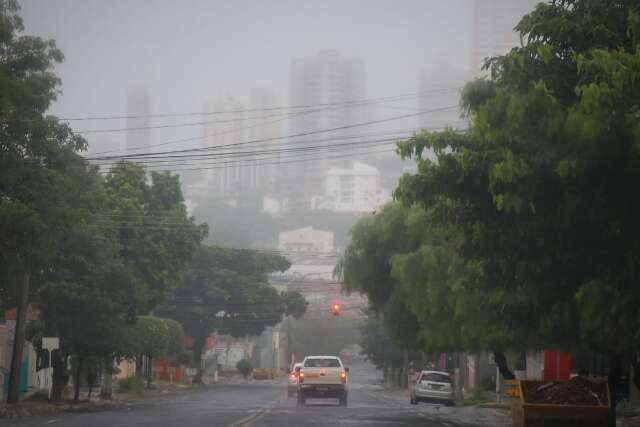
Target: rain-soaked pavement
[267,404]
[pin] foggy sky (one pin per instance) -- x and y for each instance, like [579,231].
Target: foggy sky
[186,52]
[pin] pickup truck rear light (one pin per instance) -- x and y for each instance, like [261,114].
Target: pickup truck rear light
[301,377]
[343,377]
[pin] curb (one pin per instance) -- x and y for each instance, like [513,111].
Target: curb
[42,409]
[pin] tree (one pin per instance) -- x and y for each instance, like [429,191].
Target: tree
[150,336]
[245,367]
[228,291]
[366,266]
[38,167]
[155,238]
[534,202]
[295,305]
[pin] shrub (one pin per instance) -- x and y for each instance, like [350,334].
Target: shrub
[245,367]
[131,385]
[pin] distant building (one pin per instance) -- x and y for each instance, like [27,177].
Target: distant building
[264,124]
[493,28]
[305,240]
[356,189]
[138,137]
[440,87]
[325,82]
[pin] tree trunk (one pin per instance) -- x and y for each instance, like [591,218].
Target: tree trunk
[615,371]
[19,339]
[198,344]
[149,372]
[139,365]
[405,369]
[503,366]
[60,378]
[76,380]
[635,364]
[90,390]
[106,389]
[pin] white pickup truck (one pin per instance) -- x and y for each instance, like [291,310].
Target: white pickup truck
[322,377]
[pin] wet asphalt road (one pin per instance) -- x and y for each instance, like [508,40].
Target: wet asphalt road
[255,404]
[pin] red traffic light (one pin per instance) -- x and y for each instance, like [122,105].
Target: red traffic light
[335,308]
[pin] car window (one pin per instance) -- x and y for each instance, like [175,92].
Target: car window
[321,363]
[435,377]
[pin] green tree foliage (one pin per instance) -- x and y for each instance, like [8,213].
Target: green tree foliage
[528,237]
[154,236]
[154,338]
[42,179]
[228,291]
[376,343]
[366,266]
[535,203]
[295,305]
[245,367]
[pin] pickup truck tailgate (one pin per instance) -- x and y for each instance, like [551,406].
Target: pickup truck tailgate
[322,375]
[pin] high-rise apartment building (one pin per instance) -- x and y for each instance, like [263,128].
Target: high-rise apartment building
[327,83]
[138,137]
[265,124]
[439,89]
[493,28]
[227,176]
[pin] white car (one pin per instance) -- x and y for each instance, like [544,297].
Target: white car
[433,386]
[322,377]
[292,386]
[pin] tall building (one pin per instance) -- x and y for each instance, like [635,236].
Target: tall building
[327,82]
[138,136]
[440,87]
[265,124]
[225,178]
[493,28]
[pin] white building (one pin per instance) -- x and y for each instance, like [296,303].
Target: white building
[352,190]
[493,28]
[306,240]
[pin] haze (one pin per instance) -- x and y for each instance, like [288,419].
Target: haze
[187,53]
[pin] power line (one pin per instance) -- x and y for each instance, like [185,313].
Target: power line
[247,156]
[300,142]
[246,110]
[314,132]
[260,164]
[354,104]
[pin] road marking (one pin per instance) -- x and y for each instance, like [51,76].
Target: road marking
[249,420]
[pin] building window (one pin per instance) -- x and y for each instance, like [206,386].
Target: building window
[346,189]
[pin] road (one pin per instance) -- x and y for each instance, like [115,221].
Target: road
[258,404]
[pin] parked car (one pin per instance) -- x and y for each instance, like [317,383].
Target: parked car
[292,387]
[433,386]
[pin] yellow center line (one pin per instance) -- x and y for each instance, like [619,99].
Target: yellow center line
[261,415]
[250,419]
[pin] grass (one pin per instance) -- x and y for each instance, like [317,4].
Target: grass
[476,398]
[131,385]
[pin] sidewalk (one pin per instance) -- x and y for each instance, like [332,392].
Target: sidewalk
[476,416]
[40,407]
